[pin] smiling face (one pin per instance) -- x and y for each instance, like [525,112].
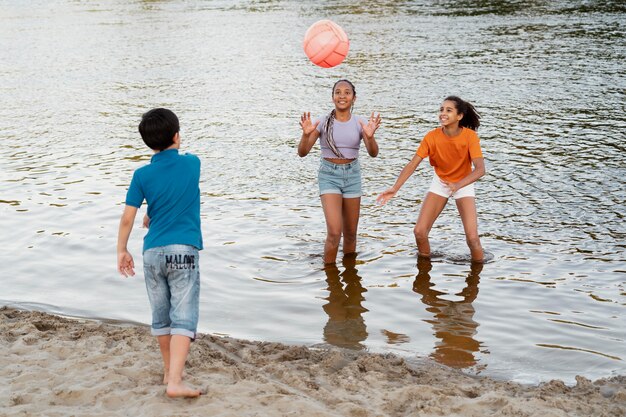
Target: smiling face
[343,96]
[449,115]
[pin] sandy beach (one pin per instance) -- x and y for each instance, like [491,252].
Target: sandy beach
[56,366]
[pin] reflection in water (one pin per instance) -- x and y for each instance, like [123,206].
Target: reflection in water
[395,338]
[345,327]
[453,322]
[562,246]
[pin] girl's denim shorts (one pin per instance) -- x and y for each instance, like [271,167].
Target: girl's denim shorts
[344,179]
[172,277]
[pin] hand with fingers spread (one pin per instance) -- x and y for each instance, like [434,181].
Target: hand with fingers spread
[385,196]
[307,126]
[309,134]
[372,125]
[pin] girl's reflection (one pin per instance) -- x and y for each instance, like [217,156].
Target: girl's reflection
[345,327]
[453,322]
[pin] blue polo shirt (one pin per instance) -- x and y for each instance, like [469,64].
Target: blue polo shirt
[170,185]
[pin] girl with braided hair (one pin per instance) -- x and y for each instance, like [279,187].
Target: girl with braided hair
[339,175]
[452,150]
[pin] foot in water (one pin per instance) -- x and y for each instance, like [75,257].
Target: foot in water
[434,255]
[458,259]
[487,257]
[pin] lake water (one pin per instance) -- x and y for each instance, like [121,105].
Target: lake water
[547,77]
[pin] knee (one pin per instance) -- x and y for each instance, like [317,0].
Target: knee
[333,238]
[473,242]
[420,233]
[349,235]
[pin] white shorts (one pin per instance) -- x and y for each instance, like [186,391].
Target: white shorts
[439,188]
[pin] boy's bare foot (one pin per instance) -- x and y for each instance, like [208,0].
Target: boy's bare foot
[181,391]
[166,377]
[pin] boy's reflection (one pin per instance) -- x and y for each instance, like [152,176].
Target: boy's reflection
[345,327]
[453,322]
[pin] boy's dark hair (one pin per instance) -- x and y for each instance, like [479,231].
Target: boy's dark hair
[471,118]
[158,127]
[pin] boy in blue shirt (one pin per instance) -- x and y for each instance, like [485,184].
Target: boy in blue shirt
[170,187]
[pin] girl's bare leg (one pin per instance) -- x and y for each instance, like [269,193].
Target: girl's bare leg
[332,205]
[351,212]
[431,209]
[467,210]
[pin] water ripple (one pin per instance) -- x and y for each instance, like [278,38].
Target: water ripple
[546,77]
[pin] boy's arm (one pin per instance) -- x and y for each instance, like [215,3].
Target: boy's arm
[125,264]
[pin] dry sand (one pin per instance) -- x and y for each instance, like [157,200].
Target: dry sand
[54,366]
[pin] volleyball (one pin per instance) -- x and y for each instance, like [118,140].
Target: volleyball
[326,44]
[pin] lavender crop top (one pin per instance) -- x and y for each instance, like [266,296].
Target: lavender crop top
[347,137]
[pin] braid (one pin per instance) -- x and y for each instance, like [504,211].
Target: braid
[330,121]
[328,129]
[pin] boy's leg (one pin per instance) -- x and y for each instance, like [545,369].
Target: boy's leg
[184,283]
[431,209]
[467,210]
[332,205]
[164,346]
[159,296]
[179,349]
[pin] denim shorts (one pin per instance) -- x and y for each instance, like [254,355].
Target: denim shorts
[344,179]
[439,188]
[172,276]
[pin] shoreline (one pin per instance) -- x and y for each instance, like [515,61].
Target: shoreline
[58,366]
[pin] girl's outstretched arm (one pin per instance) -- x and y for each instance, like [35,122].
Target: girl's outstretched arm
[309,134]
[369,130]
[477,172]
[406,172]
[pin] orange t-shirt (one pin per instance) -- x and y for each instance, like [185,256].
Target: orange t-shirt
[451,157]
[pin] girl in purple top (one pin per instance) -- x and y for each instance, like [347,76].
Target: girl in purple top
[339,176]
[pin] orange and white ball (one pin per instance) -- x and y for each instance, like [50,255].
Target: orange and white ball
[326,44]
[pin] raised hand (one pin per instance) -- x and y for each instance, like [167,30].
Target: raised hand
[372,125]
[307,126]
[385,196]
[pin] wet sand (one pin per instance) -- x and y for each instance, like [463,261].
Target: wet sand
[57,366]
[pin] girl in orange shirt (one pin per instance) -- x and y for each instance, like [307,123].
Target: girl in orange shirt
[452,150]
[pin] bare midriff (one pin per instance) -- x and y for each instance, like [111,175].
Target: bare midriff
[339,160]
